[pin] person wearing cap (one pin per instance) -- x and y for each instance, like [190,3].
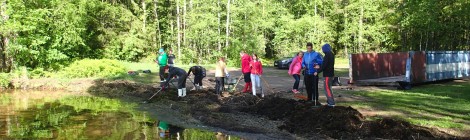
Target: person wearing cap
[176,72]
[309,61]
[162,61]
[328,73]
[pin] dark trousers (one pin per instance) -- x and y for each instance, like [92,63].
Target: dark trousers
[247,77]
[311,84]
[198,80]
[219,85]
[182,82]
[297,81]
[161,72]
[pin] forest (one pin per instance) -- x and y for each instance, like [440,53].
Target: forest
[51,34]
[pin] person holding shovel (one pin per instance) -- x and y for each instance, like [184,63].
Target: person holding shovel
[199,73]
[294,70]
[246,59]
[220,74]
[310,59]
[328,73]
[176,72]
[256,72]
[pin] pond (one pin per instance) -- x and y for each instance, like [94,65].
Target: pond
[56,115]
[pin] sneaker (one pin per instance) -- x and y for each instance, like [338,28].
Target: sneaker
[330,105]
[295,91]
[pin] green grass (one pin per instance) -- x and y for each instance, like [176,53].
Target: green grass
[444,105]
[341,62]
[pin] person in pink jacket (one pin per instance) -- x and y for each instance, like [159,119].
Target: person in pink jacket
[256,72]
[294,70]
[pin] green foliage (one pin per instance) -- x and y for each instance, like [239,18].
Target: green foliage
[94,68]
[48,34]
[39,73]
[5,80]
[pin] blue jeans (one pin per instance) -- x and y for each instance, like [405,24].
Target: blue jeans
[256,83]
[297,81]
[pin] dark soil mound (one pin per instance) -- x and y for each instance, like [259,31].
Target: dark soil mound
[233,111]
[397,129]
[337,122]
[121,88]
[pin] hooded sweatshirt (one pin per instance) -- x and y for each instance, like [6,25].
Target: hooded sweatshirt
[246,59]
[163,58]
[295,66]
[328,62]
[256,67]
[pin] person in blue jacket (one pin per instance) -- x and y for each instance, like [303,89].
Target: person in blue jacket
[310,60]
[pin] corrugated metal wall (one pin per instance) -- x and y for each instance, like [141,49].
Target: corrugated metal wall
[418,67]
[377,65]
[447,65]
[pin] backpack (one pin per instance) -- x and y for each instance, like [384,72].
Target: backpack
[203,71]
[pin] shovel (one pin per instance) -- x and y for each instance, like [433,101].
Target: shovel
[234,87]
[148,100]
[160,90]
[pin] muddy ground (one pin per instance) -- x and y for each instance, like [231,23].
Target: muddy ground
[271,117]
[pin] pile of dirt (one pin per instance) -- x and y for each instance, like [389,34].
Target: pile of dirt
[245,113]
[299,117]
[338,122]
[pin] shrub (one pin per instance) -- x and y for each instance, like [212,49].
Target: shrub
[39,73]
[5,80]
[94,68]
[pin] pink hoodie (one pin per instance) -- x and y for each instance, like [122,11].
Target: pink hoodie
[295,66]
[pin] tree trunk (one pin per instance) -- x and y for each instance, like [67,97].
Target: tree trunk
[219,46]
[5,60]
[178,27]
[184,23]
[227,25]
[159,36]
[359,38]
[144,16]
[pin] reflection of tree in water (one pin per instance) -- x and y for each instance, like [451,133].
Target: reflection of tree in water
[82,118]
[94,118]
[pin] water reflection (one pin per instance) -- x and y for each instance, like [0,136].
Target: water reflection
[84,118]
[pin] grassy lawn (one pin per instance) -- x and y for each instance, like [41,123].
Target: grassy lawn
[443,105]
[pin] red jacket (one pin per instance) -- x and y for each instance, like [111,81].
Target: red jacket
[246,59]
[256,67]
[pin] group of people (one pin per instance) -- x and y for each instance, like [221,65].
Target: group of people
[252,70]
[167,66]
[309,64]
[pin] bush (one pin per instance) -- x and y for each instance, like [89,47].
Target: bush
[94,68]
[39,73]
[5,80]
